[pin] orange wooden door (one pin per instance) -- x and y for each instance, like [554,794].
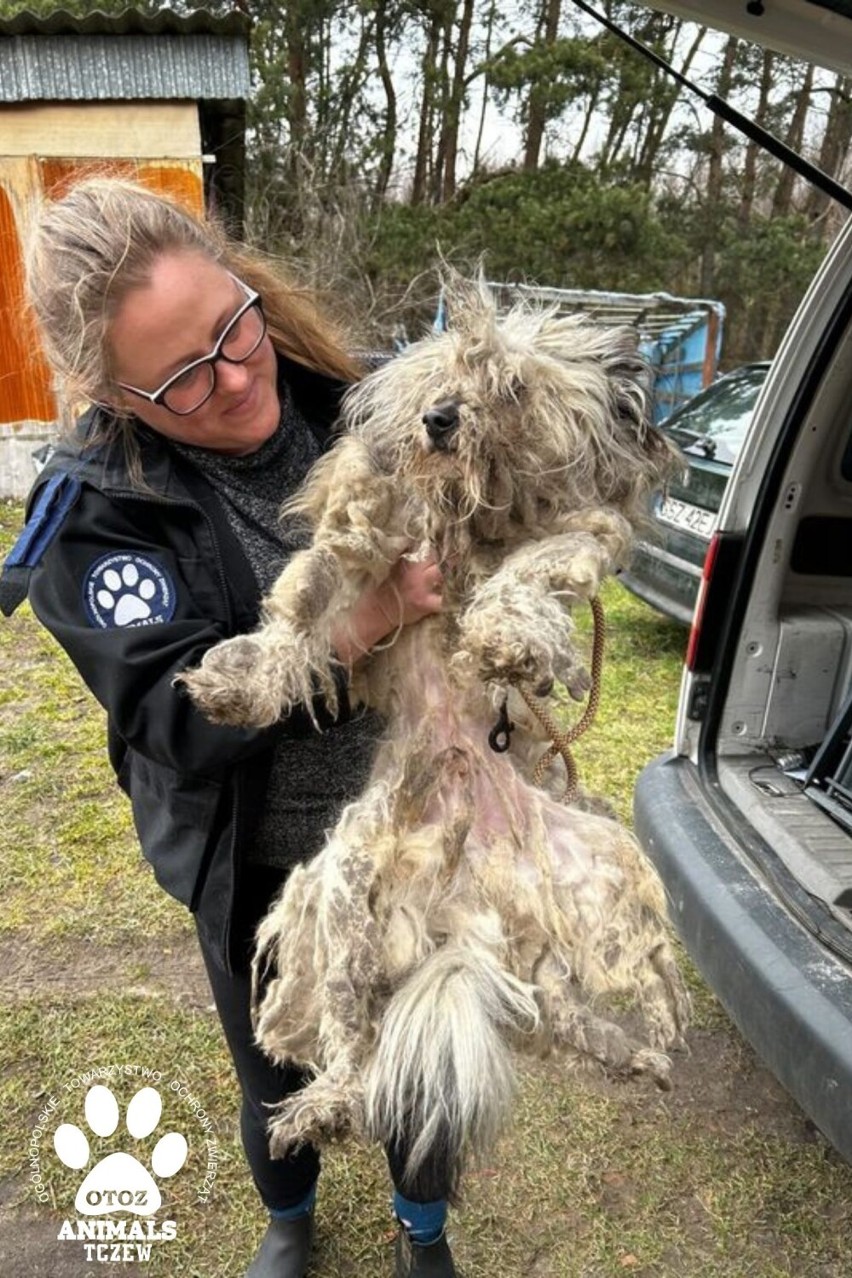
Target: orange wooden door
[24,376]
[25,394]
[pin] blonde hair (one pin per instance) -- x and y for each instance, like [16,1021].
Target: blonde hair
[91,248]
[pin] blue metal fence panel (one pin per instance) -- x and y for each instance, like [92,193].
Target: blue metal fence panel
[681,337]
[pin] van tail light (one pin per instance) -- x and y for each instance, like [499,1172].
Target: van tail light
[695,649]
[715,599]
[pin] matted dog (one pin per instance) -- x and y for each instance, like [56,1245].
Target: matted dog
[458,909]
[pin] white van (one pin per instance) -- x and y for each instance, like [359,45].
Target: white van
[749,816]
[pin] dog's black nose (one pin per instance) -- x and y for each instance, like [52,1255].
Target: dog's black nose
[441,421]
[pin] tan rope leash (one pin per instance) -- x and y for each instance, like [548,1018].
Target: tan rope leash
[562,739]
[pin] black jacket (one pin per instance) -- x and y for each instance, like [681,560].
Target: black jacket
[91,540]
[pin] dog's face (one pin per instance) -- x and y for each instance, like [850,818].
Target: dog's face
[518,417]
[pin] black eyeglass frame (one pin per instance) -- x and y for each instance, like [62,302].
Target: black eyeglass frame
[157,397]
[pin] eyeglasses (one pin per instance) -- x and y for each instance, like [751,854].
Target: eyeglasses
[193,385]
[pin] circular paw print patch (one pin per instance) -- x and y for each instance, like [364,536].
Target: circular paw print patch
[128,589]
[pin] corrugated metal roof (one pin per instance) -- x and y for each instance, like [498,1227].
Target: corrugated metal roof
[130,22]
[127,56]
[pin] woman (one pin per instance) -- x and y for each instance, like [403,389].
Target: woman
[152,535]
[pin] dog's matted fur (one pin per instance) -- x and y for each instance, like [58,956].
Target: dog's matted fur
[458,909]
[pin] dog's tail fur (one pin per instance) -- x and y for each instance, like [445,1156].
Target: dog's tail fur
[440,1085]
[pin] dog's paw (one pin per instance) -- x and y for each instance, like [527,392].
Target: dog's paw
[515,663]
[655,1064]
[326,1110]
[610,529]
[503,655]
[512,633]
[231,687]
[572,674]
[504,660]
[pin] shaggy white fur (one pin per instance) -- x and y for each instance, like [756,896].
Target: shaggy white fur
[458,909]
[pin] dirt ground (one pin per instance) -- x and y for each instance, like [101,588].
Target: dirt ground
[174,969]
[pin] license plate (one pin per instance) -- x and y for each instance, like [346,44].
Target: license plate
[680,514]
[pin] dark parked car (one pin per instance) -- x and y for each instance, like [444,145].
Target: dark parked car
[709,430]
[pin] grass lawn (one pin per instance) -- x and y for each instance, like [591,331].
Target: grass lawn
[721,1178]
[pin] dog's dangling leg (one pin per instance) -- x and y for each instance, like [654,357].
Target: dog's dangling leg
[664,999]
[517,629]
[639,955]
[572,1025]
[332,1103]
[252,680]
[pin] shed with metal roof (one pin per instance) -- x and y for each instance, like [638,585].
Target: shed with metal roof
[160,98]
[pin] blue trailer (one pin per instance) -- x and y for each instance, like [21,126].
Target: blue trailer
[680,336]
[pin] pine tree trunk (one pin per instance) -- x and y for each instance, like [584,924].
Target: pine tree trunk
[753,151]
[426,129]
[449,147]
[388,142]
[713,197]
[297,101]
[548,29]
[782,201]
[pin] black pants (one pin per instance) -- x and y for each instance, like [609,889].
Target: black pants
[281,1182]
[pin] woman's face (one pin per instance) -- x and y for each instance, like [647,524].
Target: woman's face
[175,318]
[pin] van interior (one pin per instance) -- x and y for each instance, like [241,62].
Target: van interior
[780,738]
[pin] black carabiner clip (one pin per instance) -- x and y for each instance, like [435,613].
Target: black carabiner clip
[500,736]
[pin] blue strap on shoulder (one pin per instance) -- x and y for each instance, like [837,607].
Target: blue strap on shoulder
[52,504]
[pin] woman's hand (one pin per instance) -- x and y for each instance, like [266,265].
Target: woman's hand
[411,591]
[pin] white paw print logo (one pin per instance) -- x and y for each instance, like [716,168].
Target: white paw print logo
[125,588]
[126,595]
[119,1182]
